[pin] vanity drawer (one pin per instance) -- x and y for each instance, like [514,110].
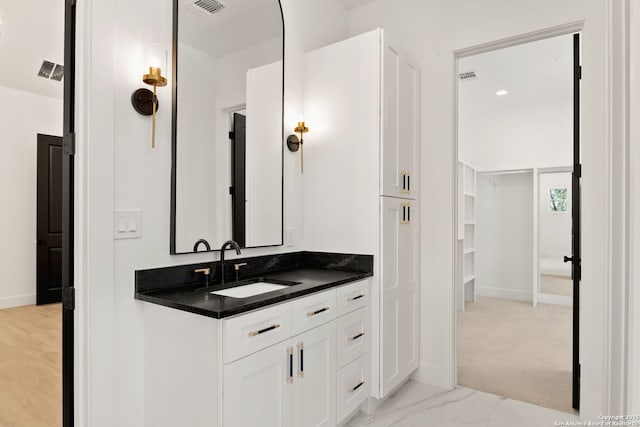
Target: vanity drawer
[353,386]
[353,297]
[248,333]
[312,311]
[352,336]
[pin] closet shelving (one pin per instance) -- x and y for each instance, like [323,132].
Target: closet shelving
[467,176]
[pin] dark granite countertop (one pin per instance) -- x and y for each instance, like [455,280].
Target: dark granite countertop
[311,272]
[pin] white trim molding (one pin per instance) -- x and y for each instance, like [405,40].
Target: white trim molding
[513,294]
[17,301]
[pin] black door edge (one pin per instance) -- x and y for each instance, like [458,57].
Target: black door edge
[68,290]
[576,261]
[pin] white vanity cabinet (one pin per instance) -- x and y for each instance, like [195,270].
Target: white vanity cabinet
[289,384]
[361,182]
[257,389]
[273,367]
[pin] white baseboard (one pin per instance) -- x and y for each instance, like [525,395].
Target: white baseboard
[513,294]
[555,299]
[433,375]
[17,301]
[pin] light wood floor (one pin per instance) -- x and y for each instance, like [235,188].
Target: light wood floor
[31,366]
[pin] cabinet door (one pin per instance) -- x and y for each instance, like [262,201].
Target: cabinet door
[399,143]
[257,388]
[314,391]
[409,120]
[399,291]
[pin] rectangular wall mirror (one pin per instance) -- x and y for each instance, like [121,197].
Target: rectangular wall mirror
[227,133]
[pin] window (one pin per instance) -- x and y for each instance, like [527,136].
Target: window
[557,199]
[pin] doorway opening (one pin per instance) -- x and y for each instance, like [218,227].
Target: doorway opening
[36,301]
[518,208]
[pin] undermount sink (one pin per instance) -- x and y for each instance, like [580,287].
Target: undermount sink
[249,290]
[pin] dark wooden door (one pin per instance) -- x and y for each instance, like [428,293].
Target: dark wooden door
[239,189]
[49,218]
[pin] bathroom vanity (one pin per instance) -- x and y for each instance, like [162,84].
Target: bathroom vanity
[294,356]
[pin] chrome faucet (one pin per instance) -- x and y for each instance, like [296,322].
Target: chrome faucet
[233,245]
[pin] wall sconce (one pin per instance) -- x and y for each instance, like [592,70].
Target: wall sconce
[294,143]
[143,100]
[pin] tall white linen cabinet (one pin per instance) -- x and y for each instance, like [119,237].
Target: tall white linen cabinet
[361,184]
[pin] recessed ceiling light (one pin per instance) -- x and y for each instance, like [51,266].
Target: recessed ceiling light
[501,92]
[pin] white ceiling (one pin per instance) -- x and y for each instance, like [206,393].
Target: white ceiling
[534,74]
[532,123]
[30,32]
[352,4]
[241,24]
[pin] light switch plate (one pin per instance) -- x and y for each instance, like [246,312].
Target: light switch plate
[127,223]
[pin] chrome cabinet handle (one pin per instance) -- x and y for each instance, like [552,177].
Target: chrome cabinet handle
[301,360]
[313,313]
[262,331]
[356,298]
[354,388]
[360,335]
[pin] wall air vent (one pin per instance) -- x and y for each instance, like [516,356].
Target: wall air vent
[469,75]
[49,70]
[204,7]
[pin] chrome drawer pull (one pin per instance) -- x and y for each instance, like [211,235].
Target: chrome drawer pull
[356,297]
[352,389]
[313,313]
[262,331]
[360,335]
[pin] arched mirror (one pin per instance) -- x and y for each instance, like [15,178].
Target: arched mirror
[228,74]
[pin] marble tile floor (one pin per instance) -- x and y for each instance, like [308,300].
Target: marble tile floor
[421,405]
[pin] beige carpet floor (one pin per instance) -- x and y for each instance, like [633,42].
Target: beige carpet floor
[556,285]
[512,349]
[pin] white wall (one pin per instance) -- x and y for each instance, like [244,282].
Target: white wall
[504,236]
[554,227]
[520,138]
[432,31]
[118,169]
[22,116]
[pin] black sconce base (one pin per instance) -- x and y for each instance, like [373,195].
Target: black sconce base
[293,143]
[142,101]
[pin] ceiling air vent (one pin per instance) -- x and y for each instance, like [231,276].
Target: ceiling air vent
[205,7]
[469,75]
[52,71]
[58,73]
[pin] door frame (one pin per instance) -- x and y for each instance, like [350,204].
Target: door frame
[562,30]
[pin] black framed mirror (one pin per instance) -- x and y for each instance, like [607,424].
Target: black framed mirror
[227,124]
